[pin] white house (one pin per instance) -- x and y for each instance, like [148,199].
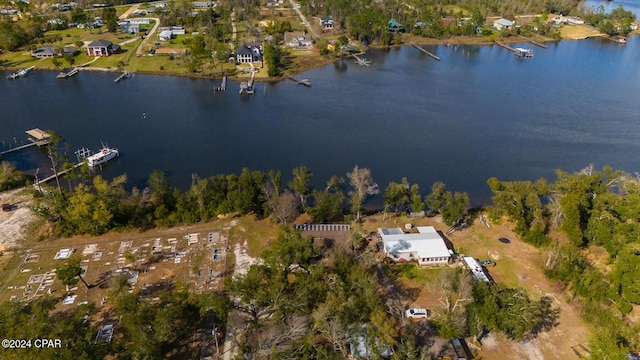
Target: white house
[248,53]
[165,35]
[502,24]
[298,40]
[574,20]
[139,21]
[426,247]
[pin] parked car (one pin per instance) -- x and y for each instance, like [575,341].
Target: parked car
[417,313]
[488,263]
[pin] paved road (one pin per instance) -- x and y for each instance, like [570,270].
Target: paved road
[306,24]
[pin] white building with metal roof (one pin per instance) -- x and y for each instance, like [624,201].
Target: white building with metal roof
[502,24]
[426,247]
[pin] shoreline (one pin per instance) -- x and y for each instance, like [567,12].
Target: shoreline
[470,41]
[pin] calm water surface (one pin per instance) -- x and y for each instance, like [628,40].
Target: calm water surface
[477,113]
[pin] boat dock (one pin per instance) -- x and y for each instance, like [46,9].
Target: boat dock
[124,75]
[533,42]
[223,84]
[36,137]
[516,51]
[362,61]
[425,51]
[60,173]
[248,88]
[304,82]
[20,73]
[70,73]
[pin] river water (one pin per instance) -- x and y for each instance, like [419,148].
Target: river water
[477,113]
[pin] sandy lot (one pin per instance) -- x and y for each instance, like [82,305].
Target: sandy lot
[579,32]
[13,224]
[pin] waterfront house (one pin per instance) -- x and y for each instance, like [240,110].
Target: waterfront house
[426,247]
[102,48]
[248,53]
[69,49]
[501,24]
[44,52]
[129,28]
[326,22]
[394,26]
[298,40]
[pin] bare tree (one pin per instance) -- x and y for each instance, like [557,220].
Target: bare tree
[287,207]
[363,185]
[450,318]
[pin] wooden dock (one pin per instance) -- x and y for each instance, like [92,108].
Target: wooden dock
[36,137]
[223,85]
[20,73]
[362,61]
[304,82]
[60,173]
[248,88]
[517,52]
[533,42]
[124,75]
[425,51]
[70,73]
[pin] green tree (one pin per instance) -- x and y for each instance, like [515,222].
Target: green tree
[328,204]
[110,18]
[71,272]
[272,59]
[300,184]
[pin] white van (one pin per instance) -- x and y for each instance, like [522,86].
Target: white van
[417,313]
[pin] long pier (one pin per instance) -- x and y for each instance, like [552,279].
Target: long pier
[36,137]
[425,51]
[39,143]
[304,82]
[60,173]
[533,42]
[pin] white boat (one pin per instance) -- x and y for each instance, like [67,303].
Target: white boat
[522,52]
[105,154]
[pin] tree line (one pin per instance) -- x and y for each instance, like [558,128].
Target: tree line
[94,205]
[594,209]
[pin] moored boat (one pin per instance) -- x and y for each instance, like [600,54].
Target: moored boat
[522,52]
[105,154]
